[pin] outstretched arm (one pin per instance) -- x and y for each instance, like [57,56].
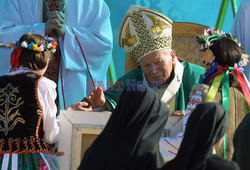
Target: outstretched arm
[94,100]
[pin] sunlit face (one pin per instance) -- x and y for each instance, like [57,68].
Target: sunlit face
[157,66]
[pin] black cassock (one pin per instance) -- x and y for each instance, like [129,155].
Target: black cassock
[131,137]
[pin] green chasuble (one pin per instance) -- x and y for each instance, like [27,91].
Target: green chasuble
[192,75]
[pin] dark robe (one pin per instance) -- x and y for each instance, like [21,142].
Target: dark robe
[218,163]
[205,127]
[241,143]
[131,137]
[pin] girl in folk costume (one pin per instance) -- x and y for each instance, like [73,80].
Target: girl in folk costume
[227,83]
[224,83]
[27,108]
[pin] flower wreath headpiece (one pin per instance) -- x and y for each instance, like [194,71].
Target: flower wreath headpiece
[50,44]
[206,40]
[211,34]
[218,73]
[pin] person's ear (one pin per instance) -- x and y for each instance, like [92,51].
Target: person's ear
[173,55]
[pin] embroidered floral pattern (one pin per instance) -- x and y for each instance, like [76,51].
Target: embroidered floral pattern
[34,161]
[10,116]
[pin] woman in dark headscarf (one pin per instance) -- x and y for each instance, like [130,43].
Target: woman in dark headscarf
[241,142]
[131,137]
[205,129]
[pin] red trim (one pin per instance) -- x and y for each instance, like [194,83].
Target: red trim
[27,150]
[26,144]
[39,143]
[1,145]
[33,145]
[78,42]
[171,144]
[64,103]
[179,59]
[84,57]
[243,85]
[220,70]
[172,152]
[14,60]
[18,145]
[40,107]
[10,142]
[47,147]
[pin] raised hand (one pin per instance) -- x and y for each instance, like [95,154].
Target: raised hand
[97,98]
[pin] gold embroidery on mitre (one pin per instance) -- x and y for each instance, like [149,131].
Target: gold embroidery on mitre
[128,39]
[9,116]
[146,41]
[158,25]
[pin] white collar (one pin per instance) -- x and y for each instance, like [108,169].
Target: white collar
[174,85]
[20,70]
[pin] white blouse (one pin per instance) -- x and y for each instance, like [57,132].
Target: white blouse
[169,146]
[46,95]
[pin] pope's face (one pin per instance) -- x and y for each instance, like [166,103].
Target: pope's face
[157,66]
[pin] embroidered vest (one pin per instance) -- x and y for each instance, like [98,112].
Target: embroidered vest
[21,125]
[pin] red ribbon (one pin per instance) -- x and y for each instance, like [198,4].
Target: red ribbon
[219,70]
[240,78]
[14,60]
[243,85]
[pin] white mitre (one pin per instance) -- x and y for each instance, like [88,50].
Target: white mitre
[144,31]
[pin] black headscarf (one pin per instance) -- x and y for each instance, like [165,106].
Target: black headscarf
[205,127]
[131,137]
[241,142]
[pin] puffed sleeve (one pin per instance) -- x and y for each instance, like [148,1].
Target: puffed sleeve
[47,95]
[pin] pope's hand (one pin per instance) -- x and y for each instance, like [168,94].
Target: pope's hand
[97,98]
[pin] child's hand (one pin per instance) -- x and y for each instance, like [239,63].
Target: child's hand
[80,106]
[55,151]
[179,113]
